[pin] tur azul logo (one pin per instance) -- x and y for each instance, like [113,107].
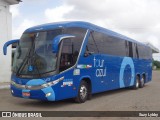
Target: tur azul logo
[100,68]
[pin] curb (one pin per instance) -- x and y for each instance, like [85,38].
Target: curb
[4,86]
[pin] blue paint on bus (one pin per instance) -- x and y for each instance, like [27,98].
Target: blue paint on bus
[126,61]
[103,71]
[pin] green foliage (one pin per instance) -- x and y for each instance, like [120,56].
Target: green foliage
[156,63]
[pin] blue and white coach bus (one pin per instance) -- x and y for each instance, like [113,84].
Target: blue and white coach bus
[75,60]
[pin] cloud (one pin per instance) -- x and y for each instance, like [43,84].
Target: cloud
[137,19]
[18,30]
[57,13]
[135,16]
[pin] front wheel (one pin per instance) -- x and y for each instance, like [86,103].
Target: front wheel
[82,93]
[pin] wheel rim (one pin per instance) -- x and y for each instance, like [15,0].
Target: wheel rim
[83,91]
[142,81]
[137,84]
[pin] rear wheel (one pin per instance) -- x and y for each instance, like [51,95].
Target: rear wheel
[141,85]
[136,86]
[82,93]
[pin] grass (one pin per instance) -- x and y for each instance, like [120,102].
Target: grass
[158,69]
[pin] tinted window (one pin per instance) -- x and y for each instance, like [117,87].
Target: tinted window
[148,53]
[66,60]
[144,52]
[92,46]
[98,38]
[135,50]
[105,44]
[130,49]
[71,47]
[77,41]
[109,44]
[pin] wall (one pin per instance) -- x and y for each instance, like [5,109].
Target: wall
[5,35]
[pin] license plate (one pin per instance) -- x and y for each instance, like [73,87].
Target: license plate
[27,94]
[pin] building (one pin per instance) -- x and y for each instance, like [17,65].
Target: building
[5,35]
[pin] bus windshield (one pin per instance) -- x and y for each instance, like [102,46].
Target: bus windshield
[34,53]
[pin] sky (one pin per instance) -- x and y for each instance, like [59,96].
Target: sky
[137,19]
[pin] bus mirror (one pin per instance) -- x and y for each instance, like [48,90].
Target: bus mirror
[58,39]
[7,44]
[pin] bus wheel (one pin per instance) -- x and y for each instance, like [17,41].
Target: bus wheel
[141,85]
[136,86]
[82,93]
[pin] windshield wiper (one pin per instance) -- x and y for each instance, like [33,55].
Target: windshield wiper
[23,63]
[28,59]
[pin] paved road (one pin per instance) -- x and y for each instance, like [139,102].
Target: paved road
[147,98]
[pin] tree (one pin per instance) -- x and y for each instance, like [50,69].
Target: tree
[156,63]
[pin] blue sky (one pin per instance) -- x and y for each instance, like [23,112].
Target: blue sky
[137,19]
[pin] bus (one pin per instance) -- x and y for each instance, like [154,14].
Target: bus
[76,59]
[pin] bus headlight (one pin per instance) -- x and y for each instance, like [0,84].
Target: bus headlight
[44,85]
[36,87]
[17,85]
[12,82]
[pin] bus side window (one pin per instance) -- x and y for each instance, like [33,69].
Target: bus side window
[135,50]
[66,60]
[130,49]
[14,45]
[91,45]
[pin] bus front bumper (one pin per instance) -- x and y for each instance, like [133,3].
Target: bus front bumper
[46,94]
[34,89]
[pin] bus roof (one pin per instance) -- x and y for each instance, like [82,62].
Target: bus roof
[81,24]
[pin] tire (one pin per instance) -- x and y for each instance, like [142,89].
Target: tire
[142,82]
[89,97]
[82,93]
[136,86]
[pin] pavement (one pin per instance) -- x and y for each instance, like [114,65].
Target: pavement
[143,99]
